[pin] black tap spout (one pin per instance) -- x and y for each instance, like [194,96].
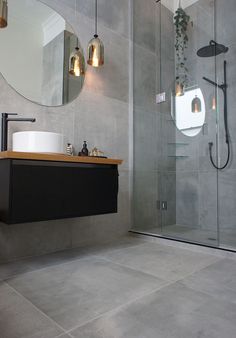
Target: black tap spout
[4,127]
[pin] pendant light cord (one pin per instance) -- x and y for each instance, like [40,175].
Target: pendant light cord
[77,40]
[96,18]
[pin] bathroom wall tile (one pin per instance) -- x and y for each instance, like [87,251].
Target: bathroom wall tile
[32,239]
[167,139]
[227,193]
[168,194]
[191,150]
[144,78]
[112,79]
[202,17]
[111,14]
[104,124]
[144,23]
[145,135]
[208,200]
[225,18]
[146,192]
[187,198]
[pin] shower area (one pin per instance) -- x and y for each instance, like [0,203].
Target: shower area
[184,92]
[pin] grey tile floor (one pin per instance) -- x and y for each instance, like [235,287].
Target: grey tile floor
[132,288]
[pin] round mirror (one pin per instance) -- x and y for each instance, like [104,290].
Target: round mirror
[188,110]
[37,47]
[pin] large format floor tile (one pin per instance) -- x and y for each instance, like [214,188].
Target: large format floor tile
[218,280]
[172,312]
[128,289]
[11,269]
[20,319]
[163,261]
[78,291]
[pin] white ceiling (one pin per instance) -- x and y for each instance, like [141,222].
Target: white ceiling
[172,5]
[33,12]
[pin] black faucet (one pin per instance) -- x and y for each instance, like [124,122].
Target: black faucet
[4,127]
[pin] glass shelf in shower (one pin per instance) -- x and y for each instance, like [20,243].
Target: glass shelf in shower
[177,144]
[178,156]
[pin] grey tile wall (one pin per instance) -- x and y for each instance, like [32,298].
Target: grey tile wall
[99,115]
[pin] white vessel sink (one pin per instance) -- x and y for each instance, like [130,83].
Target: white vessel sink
[38,142]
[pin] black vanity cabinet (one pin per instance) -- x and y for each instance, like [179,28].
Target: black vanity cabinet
[44,190]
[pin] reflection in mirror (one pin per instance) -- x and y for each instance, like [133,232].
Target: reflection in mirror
[188,111]
[35,54]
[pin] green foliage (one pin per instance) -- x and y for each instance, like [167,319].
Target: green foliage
[181,21]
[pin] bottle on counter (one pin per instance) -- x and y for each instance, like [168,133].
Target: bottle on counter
[84,151]
[69,149]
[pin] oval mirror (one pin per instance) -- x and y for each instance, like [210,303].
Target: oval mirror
[188,111]
[35,54]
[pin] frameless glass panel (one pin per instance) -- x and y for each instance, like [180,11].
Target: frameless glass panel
[146,116]
[189,182]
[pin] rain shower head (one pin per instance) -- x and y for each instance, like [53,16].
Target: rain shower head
[213,49]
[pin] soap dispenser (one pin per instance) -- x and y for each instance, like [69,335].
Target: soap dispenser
[84,151]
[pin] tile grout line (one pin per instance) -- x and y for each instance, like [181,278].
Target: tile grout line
[149,274]
[147,293]
[110,312]
[65,333]
[206,293]
[35,307]
[67,262]
[168,283]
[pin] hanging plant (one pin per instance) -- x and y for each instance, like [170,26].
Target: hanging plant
[181,21]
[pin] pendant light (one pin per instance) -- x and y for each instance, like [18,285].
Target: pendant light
[95,46]
[213,107]
[196,105]
[179,89]
[3,13]
[77,66]
[77,63]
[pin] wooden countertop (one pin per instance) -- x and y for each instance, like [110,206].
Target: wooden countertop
[57,158]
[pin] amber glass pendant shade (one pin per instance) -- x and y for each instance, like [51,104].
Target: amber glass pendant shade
[213,107]
[77,64]
[196,105]
[179,89]
[95,46]
[3,13]
[95,52]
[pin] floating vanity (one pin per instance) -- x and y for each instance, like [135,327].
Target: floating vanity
[39,187]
